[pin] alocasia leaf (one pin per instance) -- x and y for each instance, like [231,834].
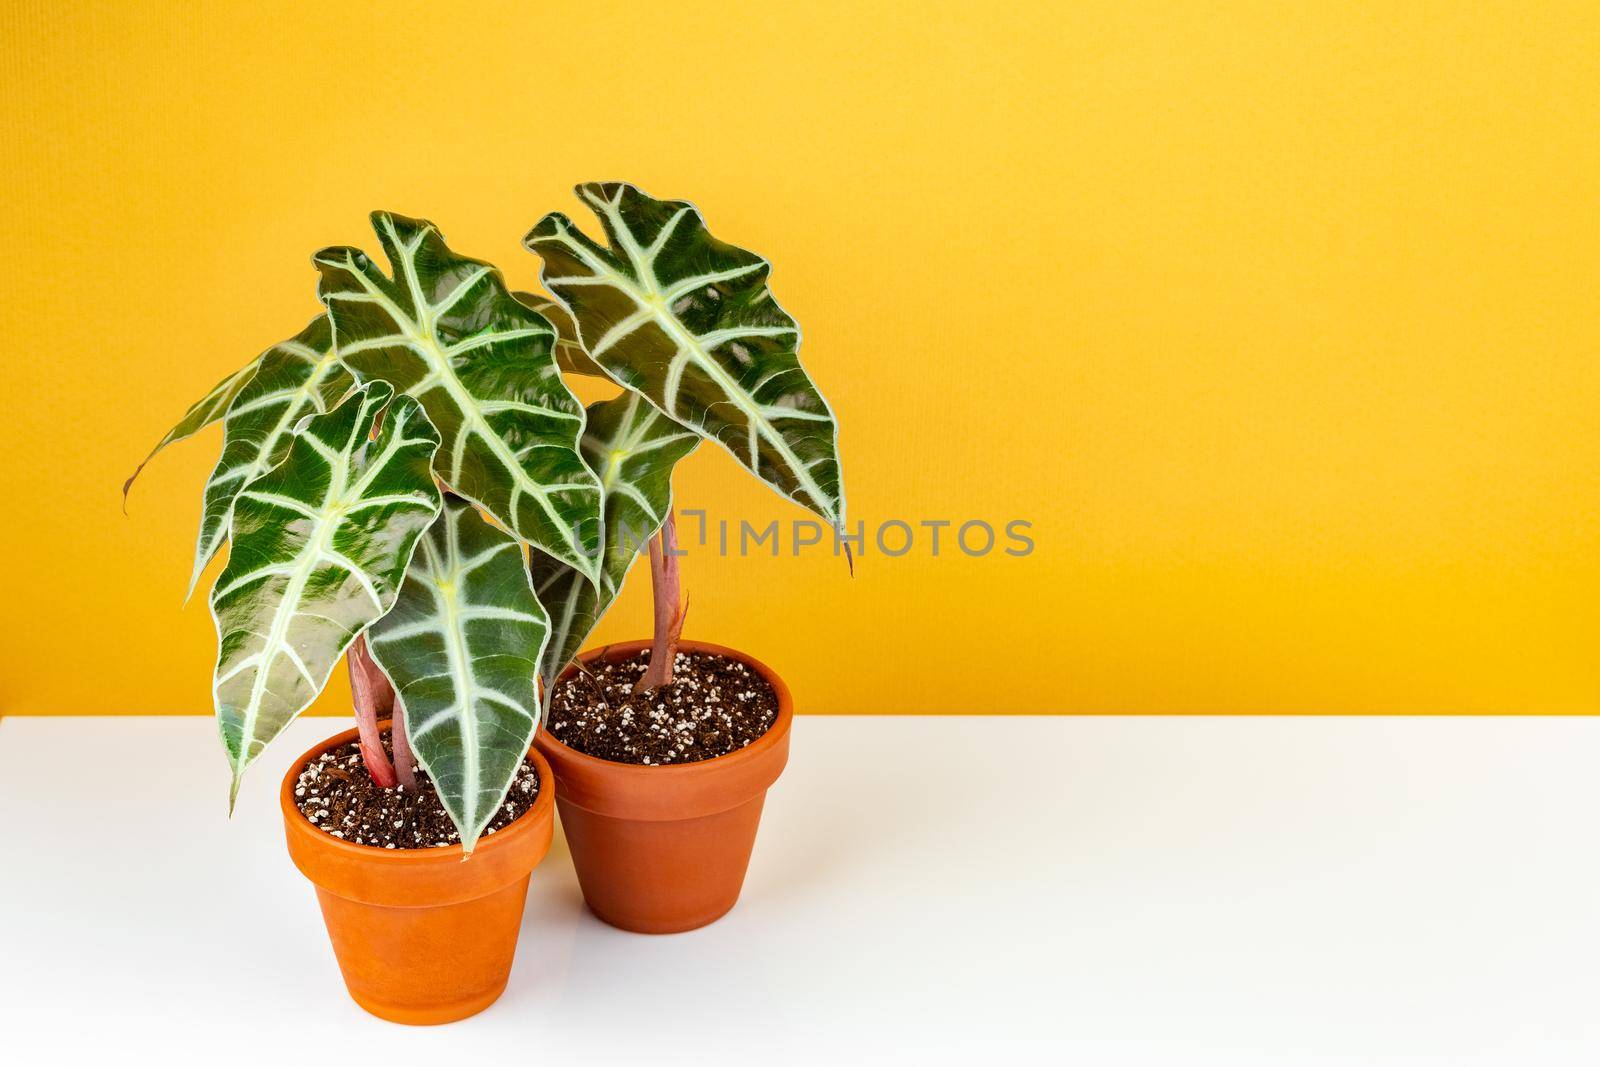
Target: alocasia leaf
[444,329]
[299,377]
[461,647]
[687,320]
[320,544]
[632,447]
[203,413]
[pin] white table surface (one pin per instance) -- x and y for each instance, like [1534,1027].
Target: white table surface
[1231,891]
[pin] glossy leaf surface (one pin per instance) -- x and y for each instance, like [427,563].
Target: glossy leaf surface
[461,647]
[442,327]
[687,320]
[570,355]
[320,544]
[296,378]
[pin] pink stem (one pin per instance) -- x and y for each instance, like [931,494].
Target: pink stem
[405,762]
[373,698]
[670,607]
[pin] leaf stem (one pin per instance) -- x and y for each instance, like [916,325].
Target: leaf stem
[670,607]
[405,761]
[373,698]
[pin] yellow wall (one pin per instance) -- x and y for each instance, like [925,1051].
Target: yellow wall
[1279,321]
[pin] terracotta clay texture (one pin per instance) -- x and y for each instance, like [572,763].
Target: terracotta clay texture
[421,936]
[660,850]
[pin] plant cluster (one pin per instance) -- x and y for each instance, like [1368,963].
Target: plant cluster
[409,483]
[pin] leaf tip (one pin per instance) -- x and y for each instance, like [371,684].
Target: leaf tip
[127,486]
[332,256]
[552,225]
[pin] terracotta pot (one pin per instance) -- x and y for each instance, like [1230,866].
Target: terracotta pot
[661,849]
[421,936]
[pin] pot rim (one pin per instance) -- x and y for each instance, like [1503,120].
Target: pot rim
[775,733]
[541,811]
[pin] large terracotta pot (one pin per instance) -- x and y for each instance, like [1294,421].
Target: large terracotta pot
[421,936]
[661,849]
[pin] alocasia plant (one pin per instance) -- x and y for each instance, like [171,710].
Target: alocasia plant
[408,482]
[336,446]
[687,322]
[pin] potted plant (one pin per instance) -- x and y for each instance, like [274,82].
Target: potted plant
[409,483]
[362,463]
[664,749]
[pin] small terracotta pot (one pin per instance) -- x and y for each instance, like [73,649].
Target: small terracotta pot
[421,936]
[661,849]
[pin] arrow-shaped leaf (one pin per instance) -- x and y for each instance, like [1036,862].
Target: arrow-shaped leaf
[299,377]
[632,447]
[203,413]
[320,544]
[687,320]
[445,330]
[461,647]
